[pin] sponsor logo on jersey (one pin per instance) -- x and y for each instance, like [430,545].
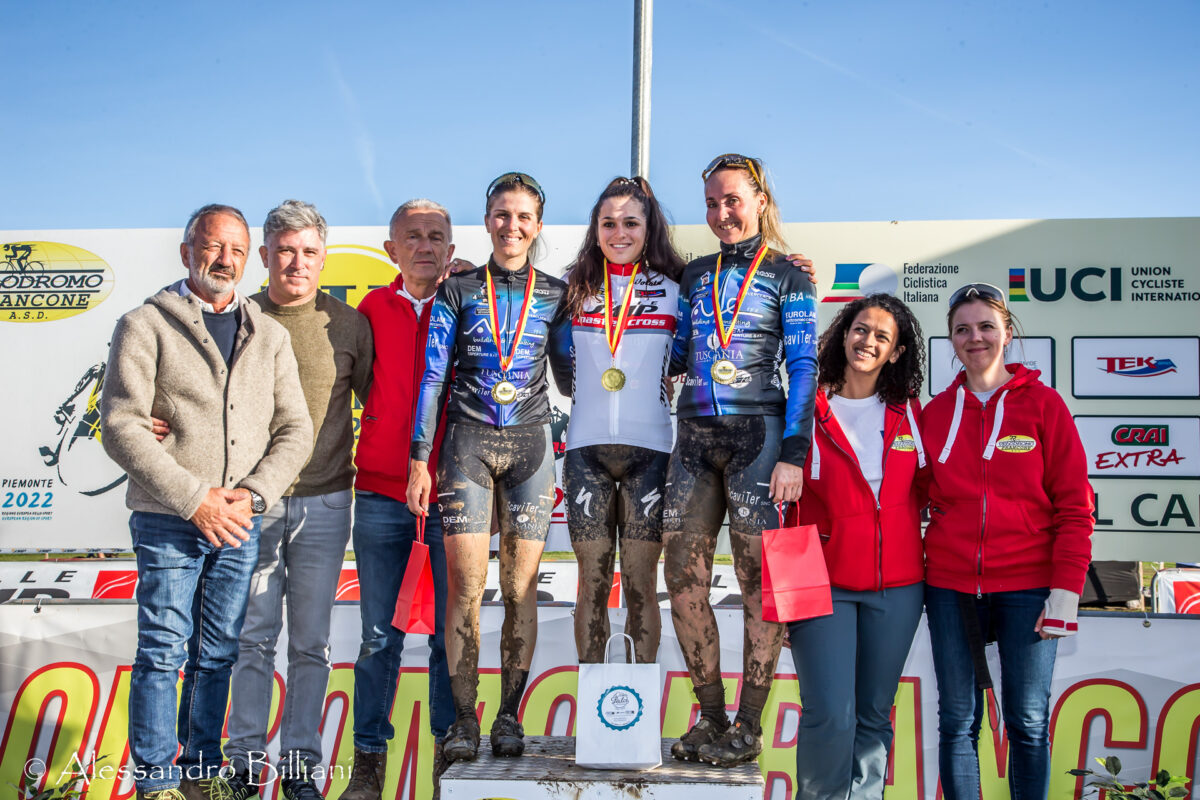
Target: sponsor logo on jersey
[1016,444]
[652,293]
[904,443]
[1137,366]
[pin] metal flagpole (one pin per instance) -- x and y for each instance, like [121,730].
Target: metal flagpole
[643,25]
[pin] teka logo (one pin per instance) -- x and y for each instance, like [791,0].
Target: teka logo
[1085,284]
[1141,434]
[1136,366]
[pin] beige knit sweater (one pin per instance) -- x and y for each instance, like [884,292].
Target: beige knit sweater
[246,426]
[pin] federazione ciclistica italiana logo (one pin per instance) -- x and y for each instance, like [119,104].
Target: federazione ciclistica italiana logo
[44,281]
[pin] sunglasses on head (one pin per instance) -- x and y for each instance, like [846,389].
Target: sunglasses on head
[517,177]
[753,165]
[973,290]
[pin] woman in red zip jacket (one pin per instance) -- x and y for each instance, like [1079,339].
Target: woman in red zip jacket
[863,489]
[1007,547]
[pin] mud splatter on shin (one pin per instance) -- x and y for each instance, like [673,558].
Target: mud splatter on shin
[595,558]
[639,582]
[762,640]
[688,572]
[519,560]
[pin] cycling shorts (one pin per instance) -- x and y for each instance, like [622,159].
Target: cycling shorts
[514,465]
[611,485]
[723,464]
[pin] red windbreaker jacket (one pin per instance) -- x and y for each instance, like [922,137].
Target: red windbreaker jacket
[1010,504]
[869,545]
[386,425]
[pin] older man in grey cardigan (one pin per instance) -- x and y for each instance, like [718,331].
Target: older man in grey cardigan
[224,374]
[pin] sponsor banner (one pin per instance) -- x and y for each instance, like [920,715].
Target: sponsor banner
[1114,279]
[1035,352]
[1158,367]
[116,579]
[64,698]
[1150,447]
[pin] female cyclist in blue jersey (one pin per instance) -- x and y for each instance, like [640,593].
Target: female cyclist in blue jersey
[492,331]
[622,296]
[741,442]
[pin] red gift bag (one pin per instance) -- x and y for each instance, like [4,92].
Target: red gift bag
[795,582]
[414,603]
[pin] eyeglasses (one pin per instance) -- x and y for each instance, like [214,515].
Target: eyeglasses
[973,290]
[734,160]
[517,177]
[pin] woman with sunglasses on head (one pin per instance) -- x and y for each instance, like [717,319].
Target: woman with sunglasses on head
[491,332]
[741,442]
[864,489]
[1007,547]
[622,296]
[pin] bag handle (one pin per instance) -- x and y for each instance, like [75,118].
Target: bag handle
[421,529]
[782,508]
[608,644]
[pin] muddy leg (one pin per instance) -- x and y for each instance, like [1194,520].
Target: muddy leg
[595,559]
[466,568]
[639,582]
[688,572]
[763,639]
[519,560]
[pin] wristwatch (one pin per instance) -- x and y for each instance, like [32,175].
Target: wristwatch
[257,504]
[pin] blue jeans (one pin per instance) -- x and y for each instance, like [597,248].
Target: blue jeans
[848,665]
[1026,668]
[191,600]
[384,530]
[300,555]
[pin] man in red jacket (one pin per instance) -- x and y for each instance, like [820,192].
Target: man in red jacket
[419,242]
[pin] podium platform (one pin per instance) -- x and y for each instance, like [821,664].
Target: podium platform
[547,771]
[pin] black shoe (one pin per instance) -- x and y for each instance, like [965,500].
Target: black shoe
[705,730]
[241,786]
[508,737]
[737,745]
[301,789]
[462,741]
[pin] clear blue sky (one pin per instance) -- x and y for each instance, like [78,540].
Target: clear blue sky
[133,114]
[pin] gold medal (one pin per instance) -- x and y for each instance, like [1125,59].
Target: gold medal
[723,371]
[504,392]
[613,379]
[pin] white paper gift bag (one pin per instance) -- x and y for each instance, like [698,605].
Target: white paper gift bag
[617,724]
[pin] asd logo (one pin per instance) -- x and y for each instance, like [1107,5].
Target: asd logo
[1087,284]
[1136,366]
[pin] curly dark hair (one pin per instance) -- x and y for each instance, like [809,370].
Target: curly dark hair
[586,276]
[897,382]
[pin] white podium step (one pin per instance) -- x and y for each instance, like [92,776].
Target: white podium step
[547,771]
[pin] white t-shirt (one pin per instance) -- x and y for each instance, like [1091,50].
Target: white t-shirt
[862,422]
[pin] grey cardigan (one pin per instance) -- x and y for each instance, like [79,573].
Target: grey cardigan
[245,426]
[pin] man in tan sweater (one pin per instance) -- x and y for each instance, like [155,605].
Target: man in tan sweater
[224,374]
[304,537]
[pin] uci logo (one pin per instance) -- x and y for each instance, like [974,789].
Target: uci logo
[1089,284]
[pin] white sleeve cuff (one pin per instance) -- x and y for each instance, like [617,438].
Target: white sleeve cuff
[1061,613]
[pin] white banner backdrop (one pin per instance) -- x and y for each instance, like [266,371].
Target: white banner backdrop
[1119,688]
[1132,283]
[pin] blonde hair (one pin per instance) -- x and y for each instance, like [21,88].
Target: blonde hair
[769,223]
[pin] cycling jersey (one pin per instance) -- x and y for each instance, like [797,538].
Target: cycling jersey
[638,414]
[777,323]
[461,346]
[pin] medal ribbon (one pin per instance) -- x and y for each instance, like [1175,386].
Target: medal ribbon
[494,319]
[614,336]
[724,335]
